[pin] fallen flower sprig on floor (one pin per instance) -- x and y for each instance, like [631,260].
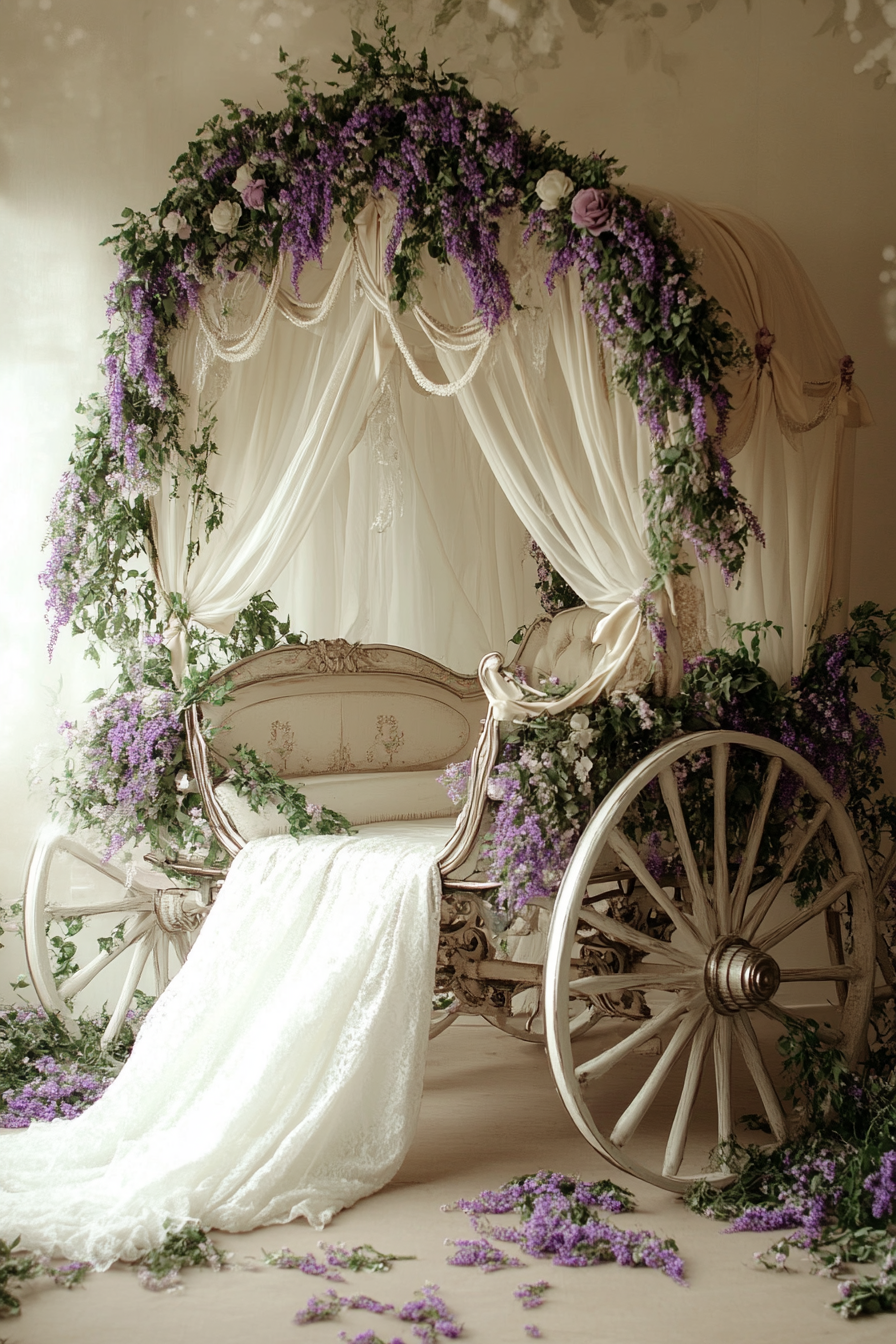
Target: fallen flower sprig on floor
[325,1308]
[872,1293]
[184,1247]
[360,1259]
[19,1266]
[308,1264]
[532,1294]
[431,1316]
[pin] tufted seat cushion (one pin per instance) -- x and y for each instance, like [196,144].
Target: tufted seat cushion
[561,646]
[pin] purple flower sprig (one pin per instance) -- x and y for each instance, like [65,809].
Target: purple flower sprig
[531,1295]
[881,1185]
[481,1254]
[432,1317]
[307,1263]
[328,1307]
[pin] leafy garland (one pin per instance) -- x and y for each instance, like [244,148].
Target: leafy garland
[255,186]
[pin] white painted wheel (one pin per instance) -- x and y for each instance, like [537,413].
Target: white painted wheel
[137,927]
[725,971]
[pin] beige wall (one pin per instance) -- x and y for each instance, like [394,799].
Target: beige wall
[98,97]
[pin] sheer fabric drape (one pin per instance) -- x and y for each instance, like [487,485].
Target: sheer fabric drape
[382,504]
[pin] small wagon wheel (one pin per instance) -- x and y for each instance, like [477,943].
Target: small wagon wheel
[721,969]
[136,927]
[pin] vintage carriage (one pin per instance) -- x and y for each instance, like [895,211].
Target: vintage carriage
[384,468]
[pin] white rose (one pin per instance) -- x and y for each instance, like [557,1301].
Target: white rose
[244,175]
[552,188]
[174,223]
[225,217]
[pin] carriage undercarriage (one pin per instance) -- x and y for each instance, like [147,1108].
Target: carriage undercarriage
[657,977]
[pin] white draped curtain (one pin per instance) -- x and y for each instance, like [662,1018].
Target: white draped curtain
[380,472]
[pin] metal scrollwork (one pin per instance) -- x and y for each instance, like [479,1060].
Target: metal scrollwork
[601,955]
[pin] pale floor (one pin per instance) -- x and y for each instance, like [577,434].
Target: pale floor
[489,1113]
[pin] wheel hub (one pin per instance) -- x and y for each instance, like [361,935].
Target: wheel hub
[739,976]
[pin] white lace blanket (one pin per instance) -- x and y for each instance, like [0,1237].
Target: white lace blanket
[280,1075]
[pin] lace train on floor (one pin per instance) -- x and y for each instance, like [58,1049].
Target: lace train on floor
[280,1075]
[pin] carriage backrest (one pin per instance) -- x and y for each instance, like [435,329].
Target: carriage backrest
[365,729]
[560,646]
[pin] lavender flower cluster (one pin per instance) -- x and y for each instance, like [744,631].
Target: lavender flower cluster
[671,347]
[881,1185]
[807,1202]
[133,739]
[64,1093]
[558,1222]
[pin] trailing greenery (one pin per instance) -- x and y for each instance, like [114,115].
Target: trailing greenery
[260,784]
[18,1266]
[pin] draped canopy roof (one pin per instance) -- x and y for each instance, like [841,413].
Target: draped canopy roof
[381,469]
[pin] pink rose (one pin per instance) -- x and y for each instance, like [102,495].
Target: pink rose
[591,209]
[253,194]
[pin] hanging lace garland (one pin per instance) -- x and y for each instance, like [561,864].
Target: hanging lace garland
[379,438]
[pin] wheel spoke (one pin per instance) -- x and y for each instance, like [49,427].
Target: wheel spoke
[160,963]
[754,839]
[641,942]
[782,931]
[630,856]
[694,1072]
[122,907]
[721,1057]
[135,970]
[181,944]
[594,1068]
[703,912]
[789,1019]
[632,1116]
[768,895]
[648,977]
[721,889]
[749,1048]
[75,983]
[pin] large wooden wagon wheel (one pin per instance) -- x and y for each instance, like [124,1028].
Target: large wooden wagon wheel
[136,927]
[715,987]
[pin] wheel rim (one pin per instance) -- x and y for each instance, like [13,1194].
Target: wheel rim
[724,970]
[154,933]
